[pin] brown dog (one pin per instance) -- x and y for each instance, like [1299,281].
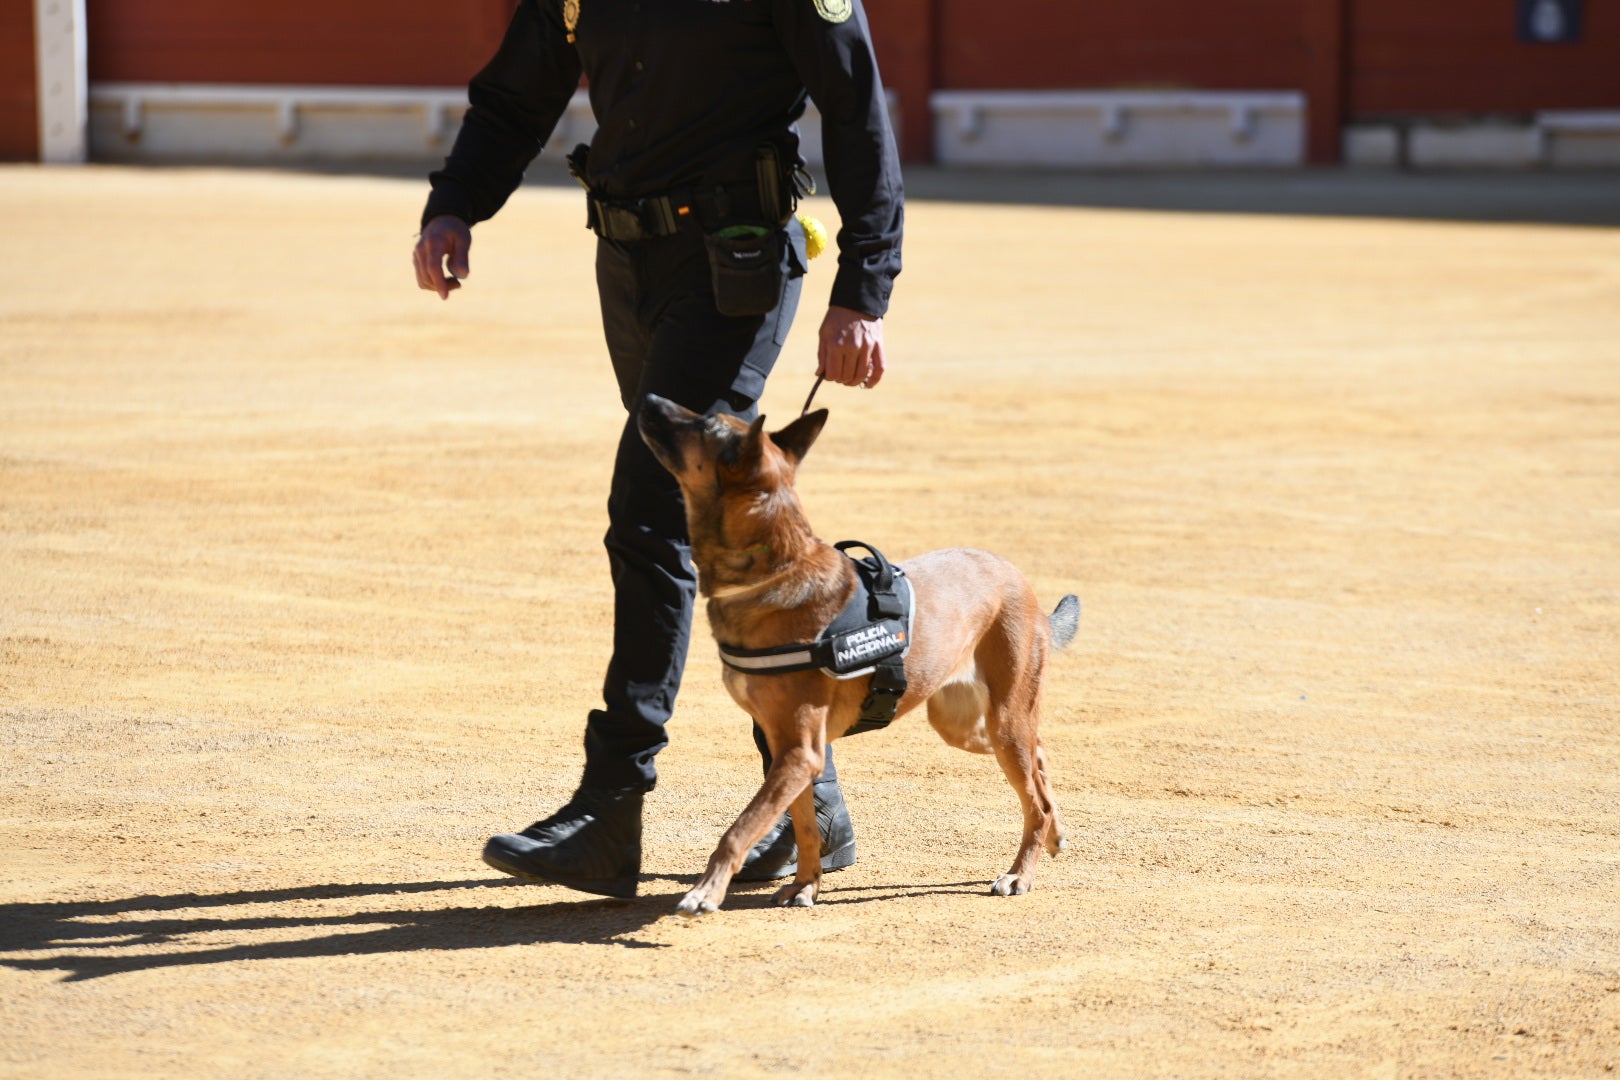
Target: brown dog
[978,649]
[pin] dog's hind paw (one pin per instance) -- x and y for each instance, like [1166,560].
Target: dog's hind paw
[1009,885]
[796,895]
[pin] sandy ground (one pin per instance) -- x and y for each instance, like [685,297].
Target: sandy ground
[302,595]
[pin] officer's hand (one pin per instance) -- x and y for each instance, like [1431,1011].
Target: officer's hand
[851,350]
[444,239]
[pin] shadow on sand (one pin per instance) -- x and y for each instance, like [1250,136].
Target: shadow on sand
[94,938]
[89,938]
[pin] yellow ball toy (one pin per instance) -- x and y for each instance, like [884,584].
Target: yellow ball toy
[815,235]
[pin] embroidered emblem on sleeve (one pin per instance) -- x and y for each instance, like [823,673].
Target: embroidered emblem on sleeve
[834,11]
[570,17]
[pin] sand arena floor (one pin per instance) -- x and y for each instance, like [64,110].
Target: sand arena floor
[302,595]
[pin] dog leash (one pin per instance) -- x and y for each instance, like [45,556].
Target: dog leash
[806,410]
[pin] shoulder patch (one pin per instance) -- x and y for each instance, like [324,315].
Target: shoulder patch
[835,11]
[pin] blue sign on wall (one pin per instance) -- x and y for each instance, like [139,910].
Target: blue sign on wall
[1549,22]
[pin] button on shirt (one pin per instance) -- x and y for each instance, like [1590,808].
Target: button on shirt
[684,91]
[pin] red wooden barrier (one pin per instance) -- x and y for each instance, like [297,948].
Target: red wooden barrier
[1351,57]
[1461,56]
[302,42]
[19,85]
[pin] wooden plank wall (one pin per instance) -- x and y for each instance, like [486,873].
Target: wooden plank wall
[1354,58]
[1461,57]
[301,42]
[1094,44]
[1148,44]
[1393,56]
[19,83]
[904,33]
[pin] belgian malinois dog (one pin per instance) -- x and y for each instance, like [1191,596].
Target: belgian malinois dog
[979,640]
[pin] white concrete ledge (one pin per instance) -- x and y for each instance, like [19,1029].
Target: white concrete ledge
[1474,146]
[1096,129]
[159,121]
[1119,129]
[1582,138]
[1587,138]
[186,121]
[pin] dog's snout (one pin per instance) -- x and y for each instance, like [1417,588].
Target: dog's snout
[655,414]
[657,422]
[652,408]
[661,413]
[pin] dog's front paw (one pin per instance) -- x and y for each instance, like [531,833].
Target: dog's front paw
[796,895]
[696,903]
[1010,885]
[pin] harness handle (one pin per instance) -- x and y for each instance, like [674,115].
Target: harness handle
[883,594]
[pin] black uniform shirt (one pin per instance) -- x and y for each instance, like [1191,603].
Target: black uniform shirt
[684,91]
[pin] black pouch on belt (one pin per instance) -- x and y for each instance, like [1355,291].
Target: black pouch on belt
[745,264]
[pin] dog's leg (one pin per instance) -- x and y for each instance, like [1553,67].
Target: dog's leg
[1015,665]
[806,884]
[996,709]
[1056,838]
[792,768]
[1018,761]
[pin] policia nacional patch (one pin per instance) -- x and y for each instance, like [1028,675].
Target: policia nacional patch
[834,11]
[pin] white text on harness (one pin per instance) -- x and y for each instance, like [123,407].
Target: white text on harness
[879,639]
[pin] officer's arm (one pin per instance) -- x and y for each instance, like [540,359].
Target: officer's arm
[516,102]
[831,47]
[835,60]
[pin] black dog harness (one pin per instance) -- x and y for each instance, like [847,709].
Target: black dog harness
[871,636]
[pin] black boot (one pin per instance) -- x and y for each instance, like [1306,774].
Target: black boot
[777,853]
[592,844]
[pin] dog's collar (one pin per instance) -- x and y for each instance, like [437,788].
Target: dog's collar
[870,636]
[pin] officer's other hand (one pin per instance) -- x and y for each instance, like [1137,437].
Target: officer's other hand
[851,349]
[445,240]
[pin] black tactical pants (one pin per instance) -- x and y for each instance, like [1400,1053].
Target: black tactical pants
[665,337]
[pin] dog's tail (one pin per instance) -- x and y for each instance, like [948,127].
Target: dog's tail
[1064,621]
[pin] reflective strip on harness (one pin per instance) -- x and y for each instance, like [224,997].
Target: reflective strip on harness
[777,663]
[871,636]
[842,656]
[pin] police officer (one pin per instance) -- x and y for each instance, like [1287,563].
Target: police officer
[691,178]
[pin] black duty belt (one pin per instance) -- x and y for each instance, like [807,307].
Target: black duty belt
[665,215]
[871,636]
[707,206]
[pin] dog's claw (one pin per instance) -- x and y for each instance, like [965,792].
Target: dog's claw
[1009,885]
[694,904]
[795,895]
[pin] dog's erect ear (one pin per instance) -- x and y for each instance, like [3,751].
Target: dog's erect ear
[796,439]
[751,441]
[745,448]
